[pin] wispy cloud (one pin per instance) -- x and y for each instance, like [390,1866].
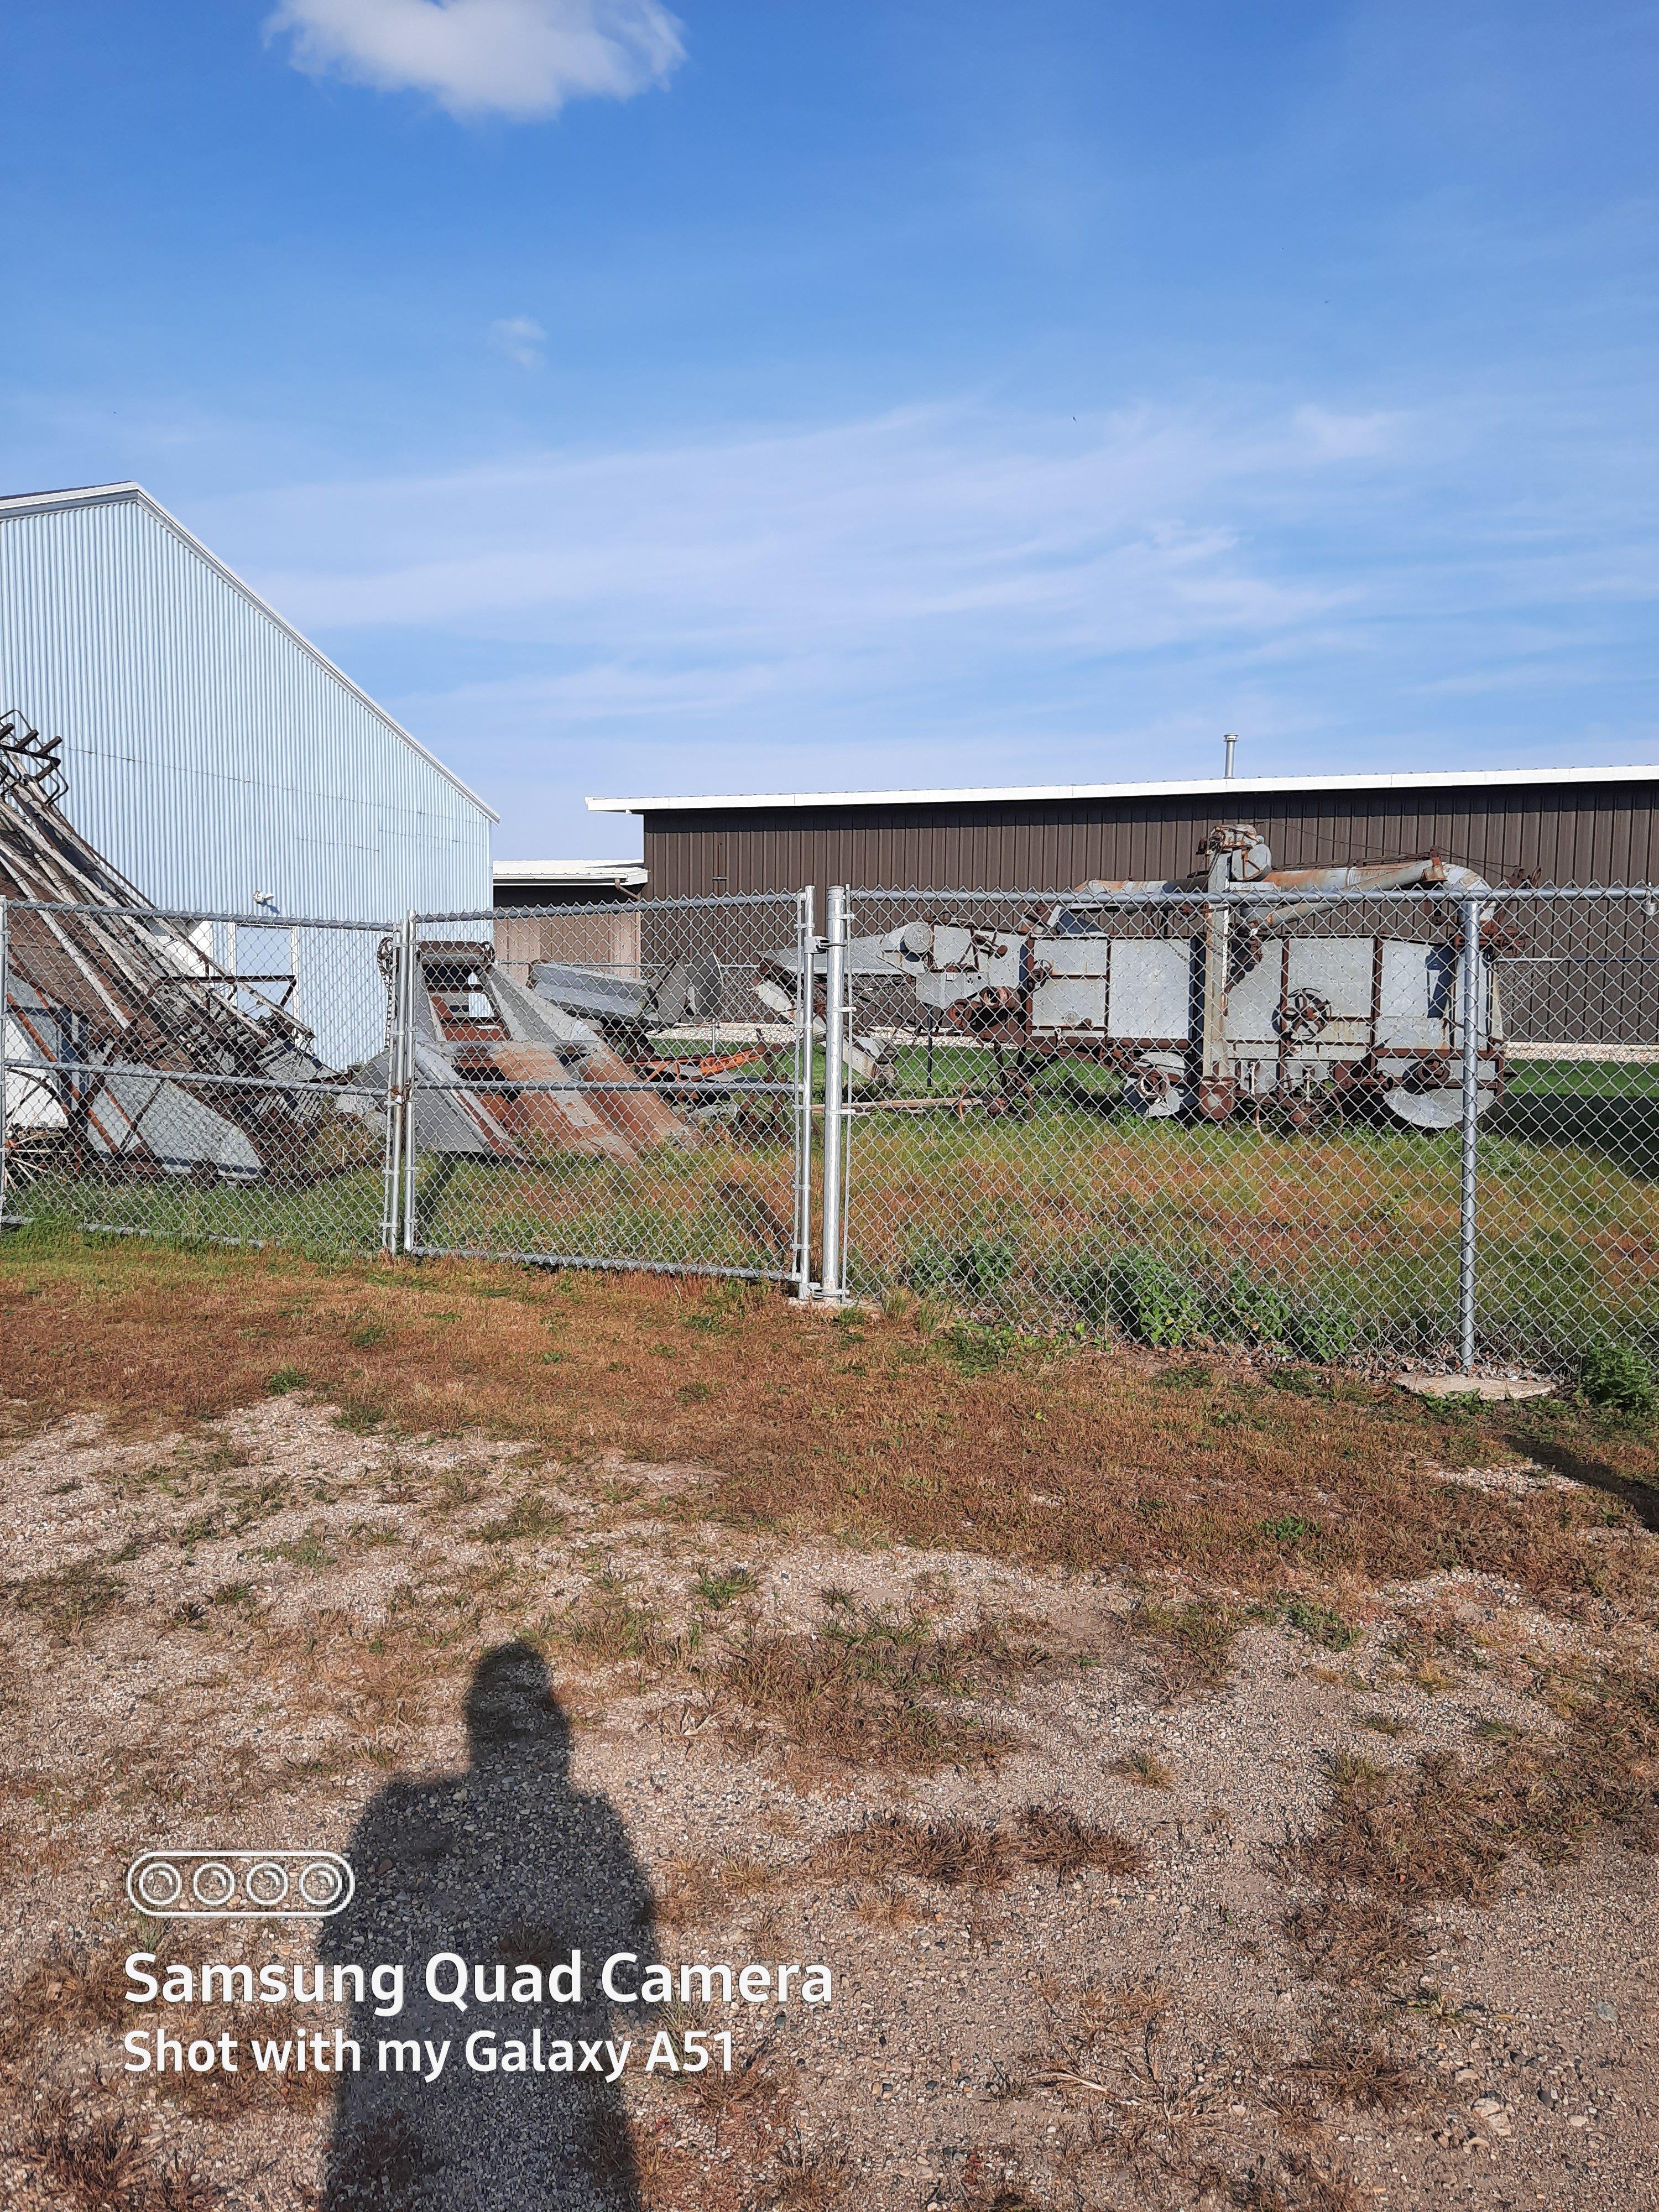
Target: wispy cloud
[912,534]
[519,59]
[970,595]
[521,338]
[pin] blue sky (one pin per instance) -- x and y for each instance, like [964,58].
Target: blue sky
[926,392]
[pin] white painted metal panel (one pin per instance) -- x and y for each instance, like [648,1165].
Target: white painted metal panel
[1151,987]
[1416,980]
[1337,967]
[214,757]
[1075,955]
[1253,999]
[1070,1002]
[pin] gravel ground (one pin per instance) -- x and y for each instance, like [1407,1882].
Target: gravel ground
[268,1632]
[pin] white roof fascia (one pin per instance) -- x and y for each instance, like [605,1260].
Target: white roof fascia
[569,871]
[1236,786]
[42,502]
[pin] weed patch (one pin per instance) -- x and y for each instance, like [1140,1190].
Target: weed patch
[977,1854]
[870,1689]
[1355,2064]
[533,1516]
[68,1600]
[1439,1828]
[1145,1767]
[716,1588]
[1321,1624]
[1618,1377]
[1193,1637]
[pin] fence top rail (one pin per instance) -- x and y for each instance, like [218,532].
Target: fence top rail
[1278,895]
[191,914]
[530,909]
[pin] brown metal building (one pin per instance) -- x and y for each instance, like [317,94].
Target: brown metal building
[1550,825]
[573,910]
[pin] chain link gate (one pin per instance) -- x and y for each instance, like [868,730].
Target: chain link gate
[1248,1116]
[196,1076]
[624,1085]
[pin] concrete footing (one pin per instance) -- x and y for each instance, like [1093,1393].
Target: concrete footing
[1490,1387]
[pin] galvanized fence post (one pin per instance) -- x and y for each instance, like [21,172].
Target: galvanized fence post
[407,1088]
[1471,1022]
[397,1054]
[5,1025]
[805,951]
[391,1158]
[835,1085]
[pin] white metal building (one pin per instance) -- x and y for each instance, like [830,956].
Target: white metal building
[213,753]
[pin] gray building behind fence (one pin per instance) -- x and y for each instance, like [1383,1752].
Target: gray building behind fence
[213,753]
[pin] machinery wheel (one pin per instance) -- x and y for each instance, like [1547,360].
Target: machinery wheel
[1302,1112]
[1440,1108]
[1156,1094]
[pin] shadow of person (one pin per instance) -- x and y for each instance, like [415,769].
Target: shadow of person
[507,1867]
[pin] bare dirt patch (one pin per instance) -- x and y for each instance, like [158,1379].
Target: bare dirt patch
[1197,1839]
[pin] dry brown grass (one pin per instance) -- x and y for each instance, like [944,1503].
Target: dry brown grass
[1355,1939]
[806,2176]
[1292,2181]
[868,1688]
[1051,1458]
[63,1994]
[696,1890]
[1441,1827]
[975,1855]
[99,2161]
[1056,1838]
[1355,2064]
[1145,1767]
[1082,2023]
[967,1854]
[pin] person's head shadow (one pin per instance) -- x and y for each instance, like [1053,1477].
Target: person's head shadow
[511,1712]
[513,1871]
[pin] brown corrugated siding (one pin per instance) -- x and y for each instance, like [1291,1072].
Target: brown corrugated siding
[1561,834]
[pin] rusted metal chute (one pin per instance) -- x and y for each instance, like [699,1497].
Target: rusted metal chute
[127,1043]
[503,1072]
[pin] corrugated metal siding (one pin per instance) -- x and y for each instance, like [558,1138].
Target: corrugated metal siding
[208,754]
[1561,834]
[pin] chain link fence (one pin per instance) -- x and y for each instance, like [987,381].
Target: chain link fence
[610,1086]
[196,1077]
[623,1086]
[1248,1117]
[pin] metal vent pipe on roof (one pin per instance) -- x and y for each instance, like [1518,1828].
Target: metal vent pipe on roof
[1230,741]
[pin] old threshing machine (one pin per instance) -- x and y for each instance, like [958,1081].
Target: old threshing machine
[1250,988]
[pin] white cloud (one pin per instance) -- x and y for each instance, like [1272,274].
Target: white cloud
[520,58]
[942,536]
[971,595]
[521,338]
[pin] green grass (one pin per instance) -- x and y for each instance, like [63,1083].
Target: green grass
[1073,1213]
[335,1218]
[1327,1243]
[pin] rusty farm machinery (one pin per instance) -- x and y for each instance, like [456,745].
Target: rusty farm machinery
[1210,998]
